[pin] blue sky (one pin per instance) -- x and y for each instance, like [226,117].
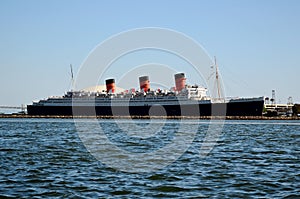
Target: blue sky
[257,42]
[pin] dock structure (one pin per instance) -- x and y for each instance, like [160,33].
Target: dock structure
[279,109]
[273,108]
[279,106]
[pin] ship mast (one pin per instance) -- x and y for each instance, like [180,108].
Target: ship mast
[72,77]
[217,79]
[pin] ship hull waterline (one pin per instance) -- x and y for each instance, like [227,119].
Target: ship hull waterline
[235,108]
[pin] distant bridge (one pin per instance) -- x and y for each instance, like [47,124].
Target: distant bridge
[13,107]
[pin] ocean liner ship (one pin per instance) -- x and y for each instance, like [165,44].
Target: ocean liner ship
[181,100]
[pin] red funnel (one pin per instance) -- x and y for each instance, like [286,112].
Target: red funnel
[180,81]
[110,85]
[144,83]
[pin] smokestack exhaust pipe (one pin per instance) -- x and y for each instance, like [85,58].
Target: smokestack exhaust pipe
[144,83]
[179,81]
[110,86]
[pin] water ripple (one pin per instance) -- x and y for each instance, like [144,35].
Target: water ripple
[45,158]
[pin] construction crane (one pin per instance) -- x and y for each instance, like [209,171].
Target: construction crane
[290,101]
[273,99]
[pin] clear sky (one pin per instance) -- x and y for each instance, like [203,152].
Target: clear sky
[257,42]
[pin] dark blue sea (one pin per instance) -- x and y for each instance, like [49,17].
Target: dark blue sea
[63,158]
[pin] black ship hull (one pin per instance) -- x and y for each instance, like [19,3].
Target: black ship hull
[231,108]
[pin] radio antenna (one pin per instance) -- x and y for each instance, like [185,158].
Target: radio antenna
[72,77]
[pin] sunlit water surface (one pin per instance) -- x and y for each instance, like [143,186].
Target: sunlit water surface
[44,158]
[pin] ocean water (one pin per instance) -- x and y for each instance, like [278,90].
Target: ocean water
[58,158]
